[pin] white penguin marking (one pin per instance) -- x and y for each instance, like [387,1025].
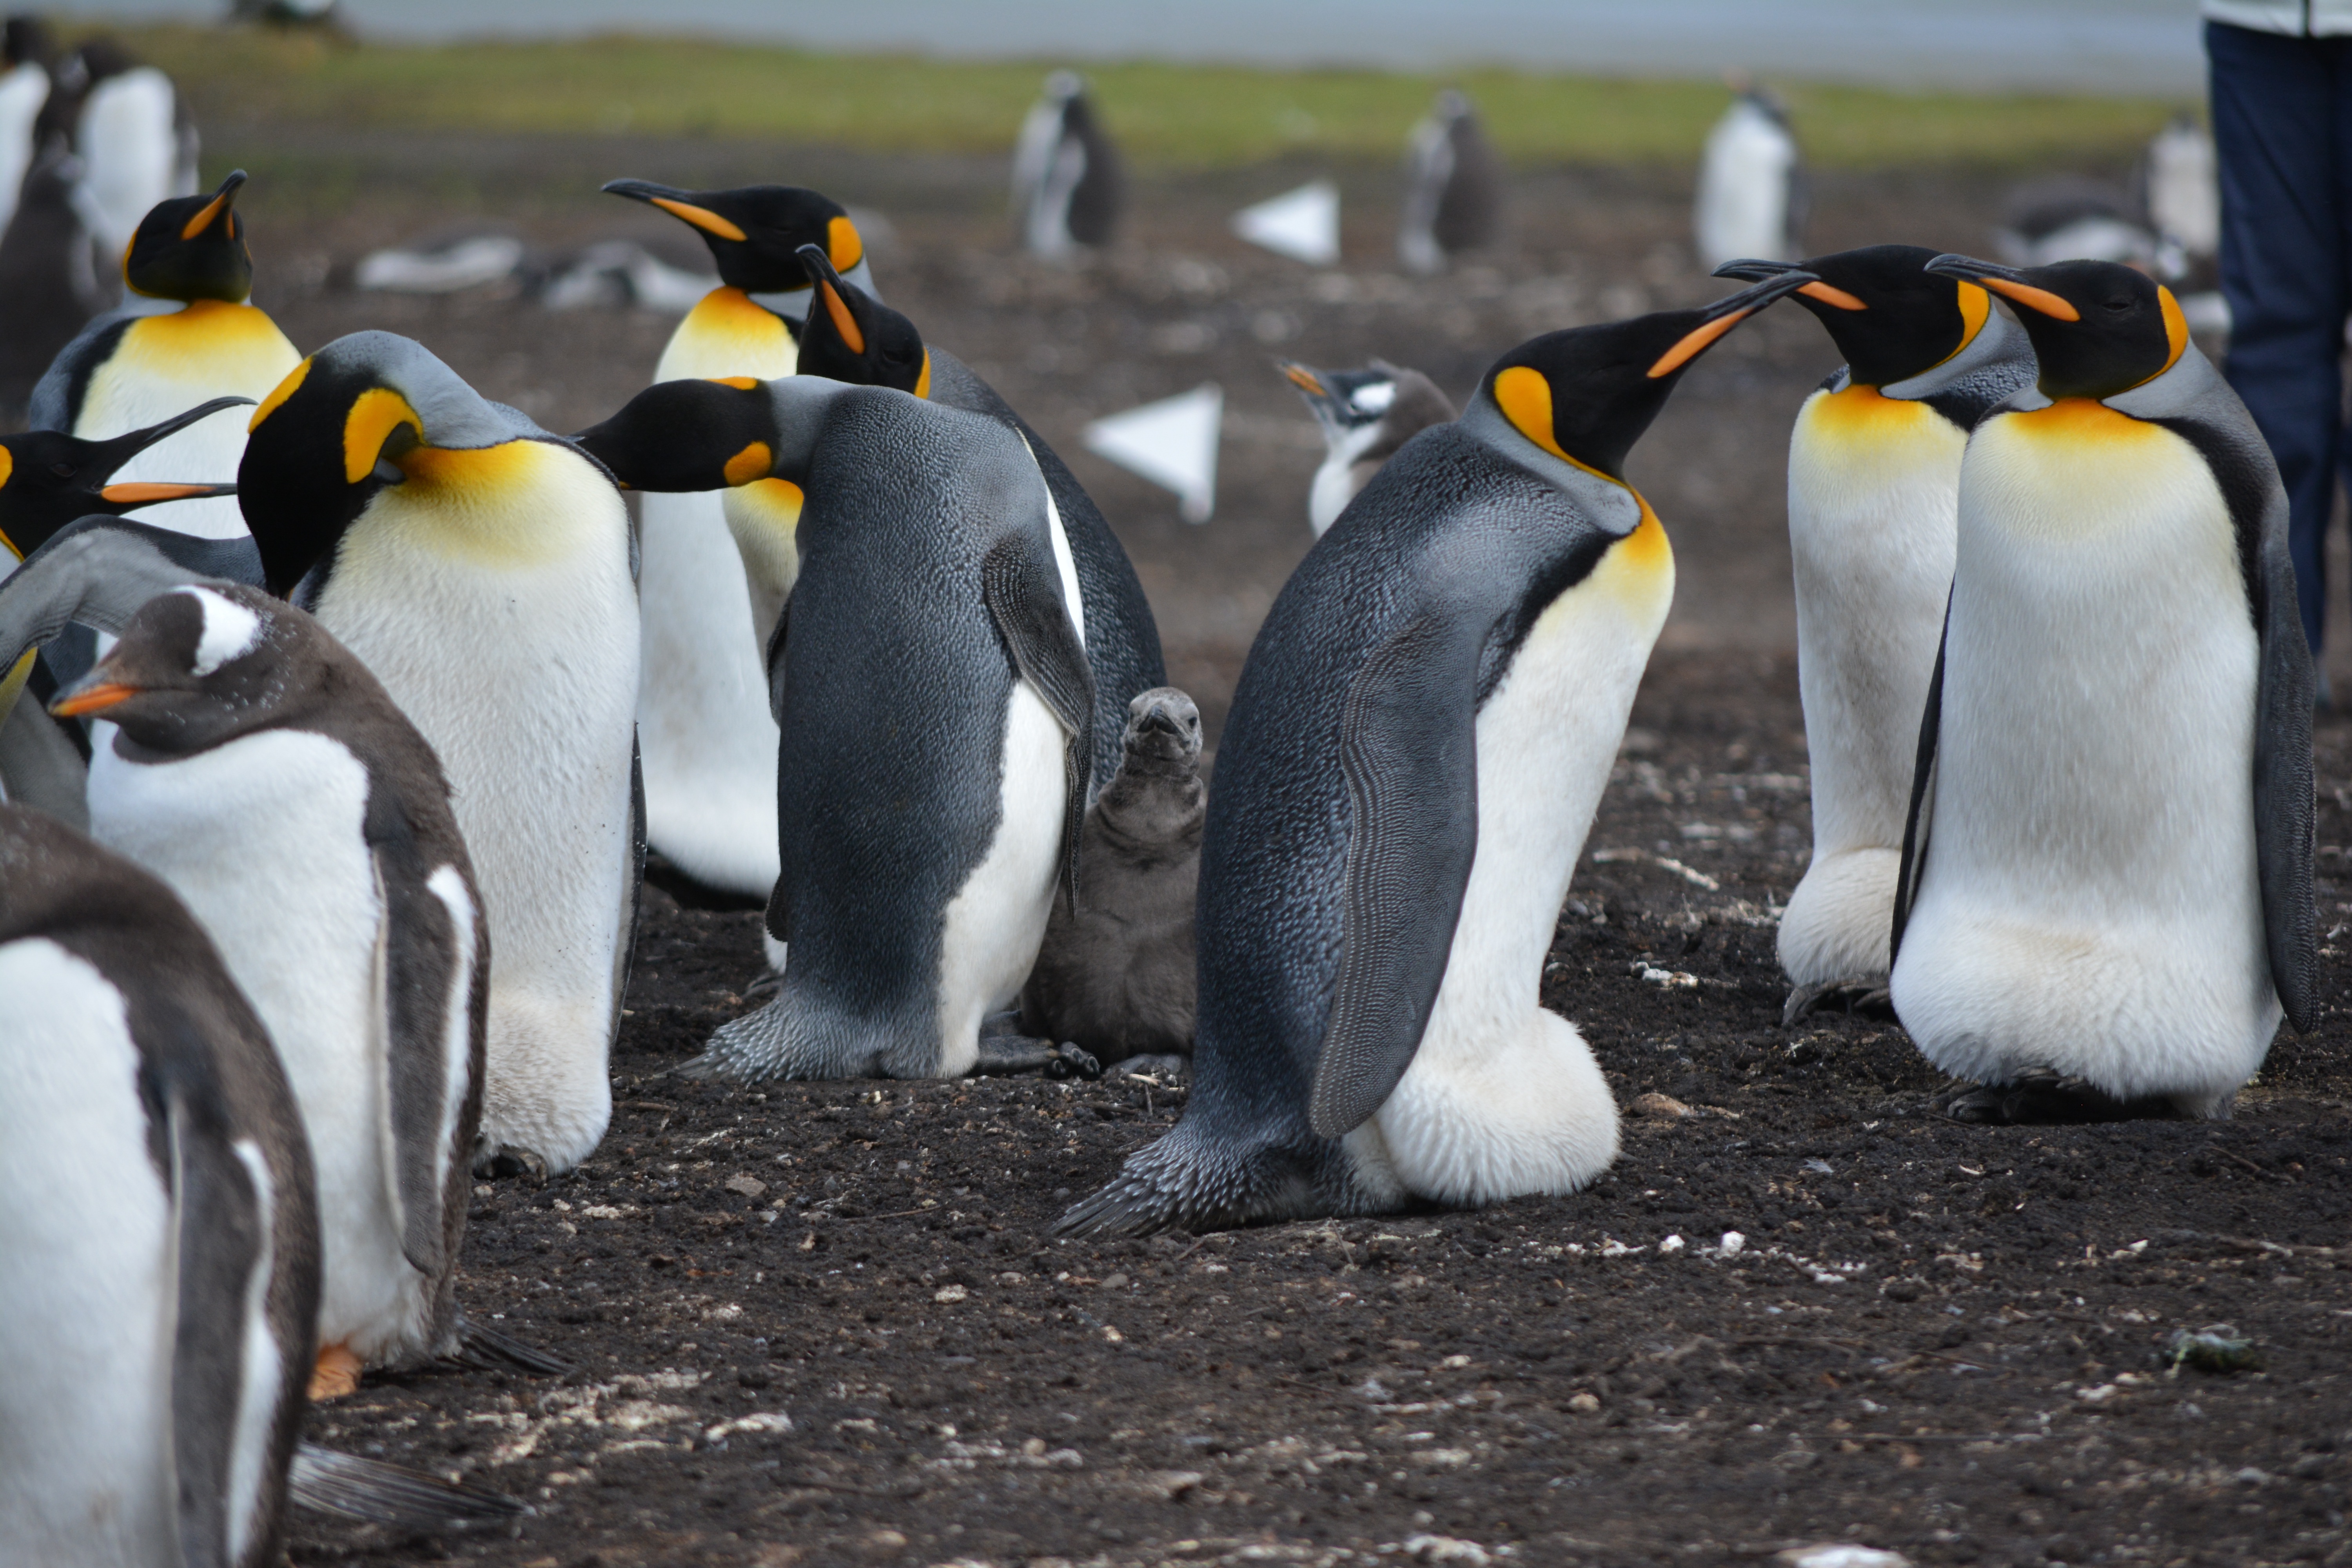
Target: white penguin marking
[231,630]
[262,1375]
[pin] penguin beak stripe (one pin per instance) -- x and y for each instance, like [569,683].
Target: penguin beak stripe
[1828,295]
[1694,343]
[751,463]
[278,395]
[1303,379]
[923,382]
[2033,299]
[375,415]
[702,218]
[203,218]
[94,698]
[844,246]
[843,321]
[142,493]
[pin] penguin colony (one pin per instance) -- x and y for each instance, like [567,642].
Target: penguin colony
[410,661]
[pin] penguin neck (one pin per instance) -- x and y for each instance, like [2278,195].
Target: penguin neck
[729,333]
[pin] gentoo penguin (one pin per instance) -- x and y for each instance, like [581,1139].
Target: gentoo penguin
[1366,414]
[26,51]
[46,273]
[857,339]
[159,1250]
[1874,489]
[1420,737]
[935,706]
[358,935]
[137,143]
[702,706]
[1452,187]
[2105,900]
[1113,975]
[1068,186]
[481,569]
[128,370]
[1751,184]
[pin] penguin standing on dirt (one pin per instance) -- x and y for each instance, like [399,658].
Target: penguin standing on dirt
[1454,187]
[2107,900]
[1367,416]
[127,370]
[1068,188]
[702,705]
[1752,196]
[481,569]
[1419,739]
[1874,494]
[935,706]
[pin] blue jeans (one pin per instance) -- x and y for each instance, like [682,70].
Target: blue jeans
[2282,128]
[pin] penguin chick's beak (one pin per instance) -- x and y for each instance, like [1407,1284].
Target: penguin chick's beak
[675,203]
[1757,269]
[212,210]
[2008,282]
[1725,314]
[92,694]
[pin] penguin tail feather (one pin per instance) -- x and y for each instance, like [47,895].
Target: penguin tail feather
[486,1349]
[373,1492]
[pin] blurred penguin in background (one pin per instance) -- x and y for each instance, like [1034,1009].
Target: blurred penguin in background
[2181,189]
[1452,187]
[48,272]
[1751,184]
[137,144]
[26,51]
[1067,185]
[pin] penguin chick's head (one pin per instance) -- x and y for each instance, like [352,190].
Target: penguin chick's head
[2098,328]
[368,411]
[1889,317]
[198,666]
[1163,731]
[755,234]
[47,479]
[851,336]
[1588,394]
[192,248]
[1344,400]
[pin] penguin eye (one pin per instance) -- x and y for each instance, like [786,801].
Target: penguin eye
[62,470]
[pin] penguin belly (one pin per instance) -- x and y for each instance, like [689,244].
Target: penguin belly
[1502,1097]
[164,365]
[261,838]
[1874,494]
[2090,899]
[24,89]
[501,617]
[130,144]
[86,1297]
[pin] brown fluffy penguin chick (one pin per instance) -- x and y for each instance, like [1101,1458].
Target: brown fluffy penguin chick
[1114,974]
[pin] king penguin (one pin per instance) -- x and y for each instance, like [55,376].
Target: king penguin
[1367,416]
[482,570]
[128,370]
[1418,742]
[935,706]
[2105,900]
[1068,188]
[1874,494]
[702,705]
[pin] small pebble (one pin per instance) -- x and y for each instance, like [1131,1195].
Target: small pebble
[1731,1243]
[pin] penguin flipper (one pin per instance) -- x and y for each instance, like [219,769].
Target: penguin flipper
[2286,812]
[433,1011]
[373,1492]
[1923,797]
[38,766]
[97,570]
[1044,646]
[1409,748]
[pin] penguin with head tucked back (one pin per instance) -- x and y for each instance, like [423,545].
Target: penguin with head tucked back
[2106,899]
[1418,742]
[935,707]
[702,704]
[1873,491]
[1068,188]
[480,568]
[1367,416]
[127,370]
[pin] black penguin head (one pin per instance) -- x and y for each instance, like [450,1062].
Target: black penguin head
[26,40]
[1344,400]
[368,411]
[1889,317]
[192,248]
[1163,731]
[755,234]
[688,436]
[47,479]
[197,666]
[852,336]
[2098,327]
[1588,394]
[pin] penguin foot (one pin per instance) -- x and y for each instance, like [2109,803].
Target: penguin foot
[504,1164]
[1000,1054]
[335,1373]
[2041,1095]
[1167,1066]
[1865,994]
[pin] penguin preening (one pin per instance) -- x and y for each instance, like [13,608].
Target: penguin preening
[709,742]
[935,706]
[1421,735]
[1366,416]
[2107,900]
[481,569]
[127,370]
[1874,495]
[1453,184]
[1068,188]
[1752,196]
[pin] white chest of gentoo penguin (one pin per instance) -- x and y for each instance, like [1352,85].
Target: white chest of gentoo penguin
[357,935]
[1366,414]
[934,703]
[1874,494]
[481,569]
[159,1261]
[1068,188]
[1453,184]
[709,741]
[1751,184]
[2107,892]
[127,370]
[1420,737]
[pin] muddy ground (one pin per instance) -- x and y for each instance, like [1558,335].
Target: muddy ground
[820,1323]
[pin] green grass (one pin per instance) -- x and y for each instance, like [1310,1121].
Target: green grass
[1167,117]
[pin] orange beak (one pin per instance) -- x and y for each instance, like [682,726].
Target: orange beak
[138,493]
[95,699]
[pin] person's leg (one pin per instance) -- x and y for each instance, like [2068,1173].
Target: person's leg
[2284,268]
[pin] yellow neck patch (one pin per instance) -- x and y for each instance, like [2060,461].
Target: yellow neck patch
[728,334]
[1976,309]
[843,246]
[2085,420]
[277,396]
[220,346]
[2176,331]
[1525,397]
[375,415]
[1864,413]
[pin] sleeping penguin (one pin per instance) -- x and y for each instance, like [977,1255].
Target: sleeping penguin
[1422,732]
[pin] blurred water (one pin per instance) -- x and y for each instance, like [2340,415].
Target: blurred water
[2099,45]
